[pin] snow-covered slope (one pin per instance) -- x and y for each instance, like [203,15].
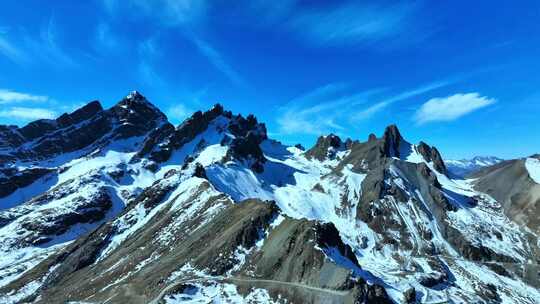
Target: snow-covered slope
[464,167]
[533,168]
[213,210]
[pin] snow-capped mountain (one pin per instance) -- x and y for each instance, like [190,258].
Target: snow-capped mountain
[120,206]
[464,167]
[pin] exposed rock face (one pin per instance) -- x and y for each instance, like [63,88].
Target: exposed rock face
[52,223]
[120,206]
[132,116]
[391,141]
[149,145]
[509,183]
[136,116]
[328,237]
[247,135]
[247,148]
[326,147]
[14,180]
[410,296]
[285,257]
[160,146]
[10,137]
[376,151]
[84,113]
[201,247]
[431,154]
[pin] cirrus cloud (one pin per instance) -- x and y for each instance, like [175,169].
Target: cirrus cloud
[9,96]
[178,112]
[366,24]
[24,113]
[451,107]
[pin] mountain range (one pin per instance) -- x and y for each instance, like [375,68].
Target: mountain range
[465,167]
[120,206]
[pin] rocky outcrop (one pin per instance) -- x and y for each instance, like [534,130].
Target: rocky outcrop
[410,296]
[328,237]
[508,182]
[164,141]
[375,152]
[132,116]
[432,155]
[136,116]
[13,179]
[10,137]
[150,144]
[247,149]
[291,253]
[325,148]
[239,226]
[107,226]
[47,223]
[84,113]
[391,141]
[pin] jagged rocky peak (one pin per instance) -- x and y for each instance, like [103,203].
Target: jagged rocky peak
[431,154]
[242,135]
[199,120]
[137,110]
[41,127]
[392,140]
[395,145]
[375,151]
[237,125]
[81,114]
[87,126]
[327,146]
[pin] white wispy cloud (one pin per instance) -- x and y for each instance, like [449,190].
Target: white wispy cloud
[16,107]
[217,60]
[335,107]
[106,39]
[148,54]
[11,51]
[353,23]
[166,12]
[178,112]
[379,106]
[46,47]
[270,12]
[181,14]
[10,96]
[24,47]
[451,107]
[321,110]
[27,113]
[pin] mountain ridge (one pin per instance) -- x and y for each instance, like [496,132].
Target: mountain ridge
[213,204]
[465,167]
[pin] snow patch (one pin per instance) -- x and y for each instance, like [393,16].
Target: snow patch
[533,167]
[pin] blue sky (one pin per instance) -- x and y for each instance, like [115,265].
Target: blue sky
[465,78]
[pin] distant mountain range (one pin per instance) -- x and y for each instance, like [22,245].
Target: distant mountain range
[464,167]
[120,206]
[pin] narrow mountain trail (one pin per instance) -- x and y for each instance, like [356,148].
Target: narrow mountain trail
[299,285]
[173,285]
